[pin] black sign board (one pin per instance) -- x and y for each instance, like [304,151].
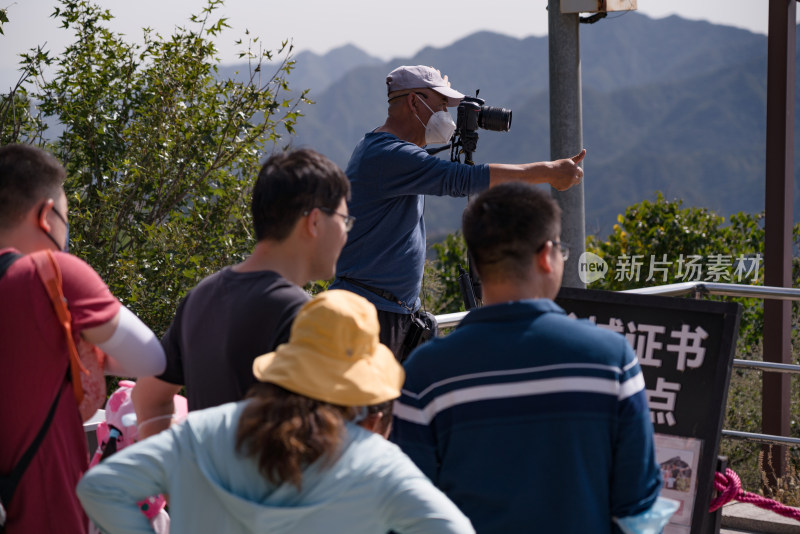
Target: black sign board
[685,348]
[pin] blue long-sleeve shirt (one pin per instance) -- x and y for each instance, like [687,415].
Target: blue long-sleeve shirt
[386,247]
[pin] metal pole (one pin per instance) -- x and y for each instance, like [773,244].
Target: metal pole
[775,406]
[566,128]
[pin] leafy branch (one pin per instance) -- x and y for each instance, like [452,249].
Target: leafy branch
[160,151]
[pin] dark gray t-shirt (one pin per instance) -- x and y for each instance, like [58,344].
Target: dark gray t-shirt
[221,326]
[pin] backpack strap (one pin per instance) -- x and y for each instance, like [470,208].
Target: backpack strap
[9,483]
[6,260]
[50,274]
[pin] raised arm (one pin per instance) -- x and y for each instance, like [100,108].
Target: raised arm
[561,173]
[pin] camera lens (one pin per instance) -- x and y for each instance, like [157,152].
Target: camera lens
[495,119]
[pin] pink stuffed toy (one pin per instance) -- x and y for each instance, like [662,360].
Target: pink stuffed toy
[120,430]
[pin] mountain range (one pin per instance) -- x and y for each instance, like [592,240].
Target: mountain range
[669,105]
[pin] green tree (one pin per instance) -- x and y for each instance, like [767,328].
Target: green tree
[686,240]
[19,121]
[665,230]
[441,292]
[160,152]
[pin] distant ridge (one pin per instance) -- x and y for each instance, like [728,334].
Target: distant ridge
[669,105]
[313,71]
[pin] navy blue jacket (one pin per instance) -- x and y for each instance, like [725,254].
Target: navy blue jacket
[530,420]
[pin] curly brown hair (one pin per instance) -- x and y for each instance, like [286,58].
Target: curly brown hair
[287,432]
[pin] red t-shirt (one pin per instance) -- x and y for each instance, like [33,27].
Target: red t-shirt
[34,365]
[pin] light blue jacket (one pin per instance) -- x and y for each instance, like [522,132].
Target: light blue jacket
[372,488]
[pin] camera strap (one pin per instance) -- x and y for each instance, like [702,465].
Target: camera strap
[387,295]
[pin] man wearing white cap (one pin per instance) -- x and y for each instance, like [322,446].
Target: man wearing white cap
[390,173]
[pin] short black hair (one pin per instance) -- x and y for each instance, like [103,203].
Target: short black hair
[291,183]
[505,226]
[28,175]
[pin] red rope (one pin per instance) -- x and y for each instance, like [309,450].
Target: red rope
[730,487]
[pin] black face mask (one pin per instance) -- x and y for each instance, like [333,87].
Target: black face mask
[66,225]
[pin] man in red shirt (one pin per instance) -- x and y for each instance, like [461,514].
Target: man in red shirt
[35,360]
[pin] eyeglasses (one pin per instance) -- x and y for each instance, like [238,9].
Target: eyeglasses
[349,220]
[563,247]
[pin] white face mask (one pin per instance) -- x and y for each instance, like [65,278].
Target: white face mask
[440,126]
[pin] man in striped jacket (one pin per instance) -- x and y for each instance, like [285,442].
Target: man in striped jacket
[528,419]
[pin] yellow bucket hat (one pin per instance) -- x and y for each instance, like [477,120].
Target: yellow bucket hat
[334,355]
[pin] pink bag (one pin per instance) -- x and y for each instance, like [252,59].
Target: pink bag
[120,430]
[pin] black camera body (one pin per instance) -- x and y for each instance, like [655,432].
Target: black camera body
[471,115]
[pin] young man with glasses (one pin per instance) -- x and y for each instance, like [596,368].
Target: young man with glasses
[34,380]
[526,418]
[300,222]
[390,173]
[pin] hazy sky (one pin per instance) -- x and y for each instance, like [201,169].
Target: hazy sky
[381,28]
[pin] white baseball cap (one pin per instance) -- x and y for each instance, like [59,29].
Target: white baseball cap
[420,76]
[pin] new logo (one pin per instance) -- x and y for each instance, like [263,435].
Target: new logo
[591,267]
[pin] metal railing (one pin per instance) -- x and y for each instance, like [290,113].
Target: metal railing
[701,289]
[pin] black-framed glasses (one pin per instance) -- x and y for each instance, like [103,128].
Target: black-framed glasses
[349,220]
[563,247]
